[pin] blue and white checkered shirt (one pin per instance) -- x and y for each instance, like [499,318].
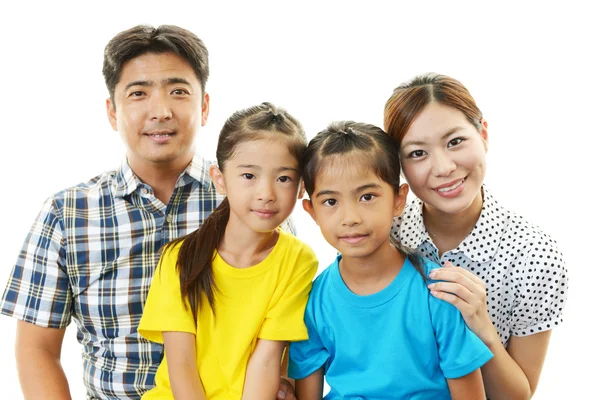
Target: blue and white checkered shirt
[90,256]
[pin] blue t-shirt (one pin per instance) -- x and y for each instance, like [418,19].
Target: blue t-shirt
[398,343]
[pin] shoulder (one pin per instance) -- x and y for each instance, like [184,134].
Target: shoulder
[97,186]
[292,244]
[530,242]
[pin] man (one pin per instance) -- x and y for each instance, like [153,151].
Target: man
[92,250]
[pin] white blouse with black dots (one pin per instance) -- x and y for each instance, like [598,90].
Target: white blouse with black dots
[524,272]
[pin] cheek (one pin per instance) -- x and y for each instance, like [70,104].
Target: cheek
[416,175]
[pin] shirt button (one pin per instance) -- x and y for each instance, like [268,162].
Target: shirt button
[144,190]
[169,218]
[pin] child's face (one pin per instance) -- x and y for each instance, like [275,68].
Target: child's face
[261,182]
[354,208]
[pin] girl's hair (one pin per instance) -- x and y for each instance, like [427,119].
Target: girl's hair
[197,251]
[371,147]
[410,98]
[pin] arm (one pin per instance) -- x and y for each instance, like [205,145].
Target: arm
[38,362]
[180,350]
[512,373]
[468,387]
[263,370]
[311,387]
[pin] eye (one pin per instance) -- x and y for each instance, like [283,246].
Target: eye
[180,92]
[367,197]
[329,202]
[284,179]
[137,93]
[455,142]
[416,154]
[248,176]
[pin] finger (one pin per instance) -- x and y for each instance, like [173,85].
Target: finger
[282,391]
[458,275]
[468,274]
[456,289]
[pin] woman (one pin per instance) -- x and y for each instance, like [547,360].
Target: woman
[505,276]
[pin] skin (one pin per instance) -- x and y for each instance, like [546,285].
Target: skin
[262,183]
[353,202]
[440,147]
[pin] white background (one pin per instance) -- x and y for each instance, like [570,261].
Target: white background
[530,66]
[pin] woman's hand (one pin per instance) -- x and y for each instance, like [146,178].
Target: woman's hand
[467,293]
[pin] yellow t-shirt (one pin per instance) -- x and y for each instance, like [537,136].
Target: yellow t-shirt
[264,301]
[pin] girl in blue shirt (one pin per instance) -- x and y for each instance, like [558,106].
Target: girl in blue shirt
[375,331]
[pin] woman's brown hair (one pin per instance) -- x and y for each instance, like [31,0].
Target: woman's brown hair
[194,261]
[410,98]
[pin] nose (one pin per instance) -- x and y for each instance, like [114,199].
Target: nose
[350,216]
[442,164]
[266,191]
[160,109]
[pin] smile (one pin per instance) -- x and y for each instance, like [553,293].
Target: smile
[451,189]
[354,239]
[264,213]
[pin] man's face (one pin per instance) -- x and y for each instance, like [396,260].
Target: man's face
[158,108]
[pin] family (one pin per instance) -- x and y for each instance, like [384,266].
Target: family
[186,280]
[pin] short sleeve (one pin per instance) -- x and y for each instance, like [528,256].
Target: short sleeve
[307,356]
[460,350]
[38,290]
[285,318]
[541,291]
[165,310]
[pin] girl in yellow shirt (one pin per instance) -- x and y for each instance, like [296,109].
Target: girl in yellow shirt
[226,299]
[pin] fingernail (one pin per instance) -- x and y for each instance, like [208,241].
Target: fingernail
[280,394]
[431,286]
[432,274]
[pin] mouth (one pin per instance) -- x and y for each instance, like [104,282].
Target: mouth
[161,136]
[354,238]
[262,213]
[451,189]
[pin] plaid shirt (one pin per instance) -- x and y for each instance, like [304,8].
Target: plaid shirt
[91,255]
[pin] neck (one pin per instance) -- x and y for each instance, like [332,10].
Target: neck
[161,177]
[370,274]
[452,229]
[242,247]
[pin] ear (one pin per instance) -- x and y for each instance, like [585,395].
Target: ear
[302,190]
[400,200]
[218,179]
[484,133]
[308,207]
[205,108]
[111,113]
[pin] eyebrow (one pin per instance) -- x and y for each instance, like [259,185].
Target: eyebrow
[164,82]
[451,131]
[253,166]
[357,190]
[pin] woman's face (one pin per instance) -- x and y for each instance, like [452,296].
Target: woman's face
[443,158]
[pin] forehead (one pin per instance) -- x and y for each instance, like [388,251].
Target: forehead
[345,173]
[265,152]
[155,67]
[434,122]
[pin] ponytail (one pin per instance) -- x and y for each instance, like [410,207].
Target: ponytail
[194,262]
[412,255]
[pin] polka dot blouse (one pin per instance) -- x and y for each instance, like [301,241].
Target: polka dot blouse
[523,270]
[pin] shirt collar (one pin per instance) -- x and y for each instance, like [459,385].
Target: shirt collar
[480,245]
[197,170]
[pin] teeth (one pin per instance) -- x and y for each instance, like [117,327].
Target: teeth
[161,135]
[449,188]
